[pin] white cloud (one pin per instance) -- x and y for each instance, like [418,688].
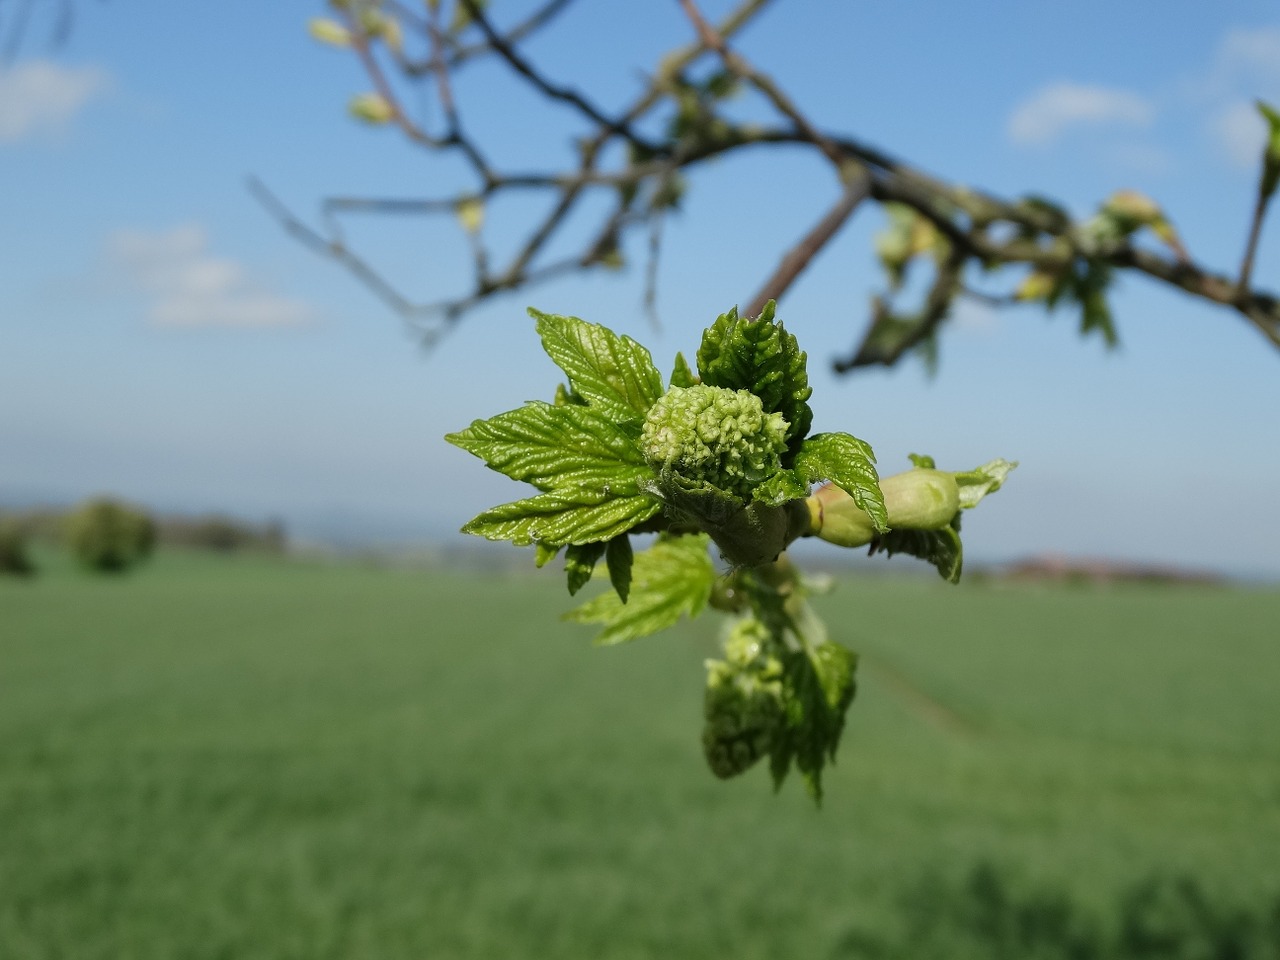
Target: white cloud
[1044,116]
[1240,132]
[1246,64]
[1253,54]
[41,97]
[187,287]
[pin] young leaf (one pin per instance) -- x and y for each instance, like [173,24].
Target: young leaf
[848,463]
[613,374]
[563,517]
[1271,153]
[620,559]
[558,447]
[579,562]
[682,376]
[544,554]
[941,548]
[783,486]
[760,356]
[983,480]
[673,577]
[818,687]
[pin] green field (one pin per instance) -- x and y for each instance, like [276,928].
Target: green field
[248,758]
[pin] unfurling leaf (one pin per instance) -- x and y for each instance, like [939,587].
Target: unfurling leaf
[759,355]
[1271,152]
[906,236]
[981,481]
[783,486]
[673,578]
[681,375]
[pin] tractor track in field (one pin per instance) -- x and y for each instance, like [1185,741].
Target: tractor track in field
[923,704]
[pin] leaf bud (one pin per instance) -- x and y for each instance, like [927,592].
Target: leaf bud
[329,31]
[919,499]
[372,108]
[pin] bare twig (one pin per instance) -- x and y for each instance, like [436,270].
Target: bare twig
[974,227]
[741,68]
[800,256]
[329,248]
[920,327]
[651,271]
[564,94]
[1251,248]
[534,22]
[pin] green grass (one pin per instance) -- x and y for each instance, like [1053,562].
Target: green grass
[215,758]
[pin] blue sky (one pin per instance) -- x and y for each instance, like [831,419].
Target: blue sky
[162,339]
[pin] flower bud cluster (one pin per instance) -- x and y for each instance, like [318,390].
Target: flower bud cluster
[743,707]
[716,436]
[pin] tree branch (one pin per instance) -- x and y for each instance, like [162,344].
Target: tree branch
[1068,259]
[802,254]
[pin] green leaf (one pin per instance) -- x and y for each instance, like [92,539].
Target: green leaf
[697,502]
[620,559]
[783,486]
[563,517]
[682,376]
[760,356]
[981,481]
[1271,154]
[544,554]
[579,562]
[558,447]
[672,578]
[941,548]
[891,335]
[1095,312]
[614,374]
[848,463]
[922,460]
[818,687]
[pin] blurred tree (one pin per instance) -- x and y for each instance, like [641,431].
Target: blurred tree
[637,156]
[109,536]
[13,551]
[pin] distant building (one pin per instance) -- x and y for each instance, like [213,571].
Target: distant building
[1053,568]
